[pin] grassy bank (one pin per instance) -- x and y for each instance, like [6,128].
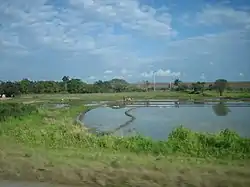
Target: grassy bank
[135,95]
[46,146]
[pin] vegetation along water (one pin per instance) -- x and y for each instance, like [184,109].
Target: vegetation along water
[44,144]
[40,141]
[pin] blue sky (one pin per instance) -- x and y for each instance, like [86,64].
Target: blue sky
[105,39]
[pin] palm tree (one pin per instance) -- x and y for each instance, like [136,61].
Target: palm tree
[177,82]
[65,78]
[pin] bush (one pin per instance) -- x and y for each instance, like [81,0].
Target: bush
[226,144]
[15,110]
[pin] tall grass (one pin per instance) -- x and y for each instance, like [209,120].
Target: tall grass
[54,129]
[15,110]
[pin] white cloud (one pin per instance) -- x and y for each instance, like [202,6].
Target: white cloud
[108,71]
[70,29]
[217,45]
[218,15]
[124,71]
[92,78]
[205,53]
[202,77]
[129,14]
[11,41]
[118,77]
[161,73]
[91,36]
[242,74]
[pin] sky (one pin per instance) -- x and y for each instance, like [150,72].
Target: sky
[129,39]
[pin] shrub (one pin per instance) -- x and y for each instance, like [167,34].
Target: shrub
[15,110]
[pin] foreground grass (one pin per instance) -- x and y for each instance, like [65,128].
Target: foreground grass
[90,168]
[46,146]
[118,96]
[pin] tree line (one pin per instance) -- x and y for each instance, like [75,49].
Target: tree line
[67,85]
[220,85]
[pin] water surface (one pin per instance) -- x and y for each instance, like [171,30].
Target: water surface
[160,118]
[105,119]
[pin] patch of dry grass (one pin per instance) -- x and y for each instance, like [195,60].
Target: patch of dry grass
[75,167]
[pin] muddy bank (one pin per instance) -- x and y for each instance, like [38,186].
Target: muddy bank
[132,118]
[79,118]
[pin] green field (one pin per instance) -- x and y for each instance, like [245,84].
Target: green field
[135,95]
[46,144]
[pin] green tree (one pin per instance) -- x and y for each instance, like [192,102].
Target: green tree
[65,80]
[220,85]
[119,85]
[147,83]
[76,86]
[72,86]
[202,87]
[210,87]
[38,87]
[177,82]
[179,86]
[102,86]
[10,88]
[25,86]
[182,87]
[198,87]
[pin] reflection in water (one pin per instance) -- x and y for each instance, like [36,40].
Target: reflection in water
[177,104]
[221,109]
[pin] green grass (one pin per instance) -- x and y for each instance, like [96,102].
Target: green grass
[225,145]
[15,110]
[46,146]
[118,96]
